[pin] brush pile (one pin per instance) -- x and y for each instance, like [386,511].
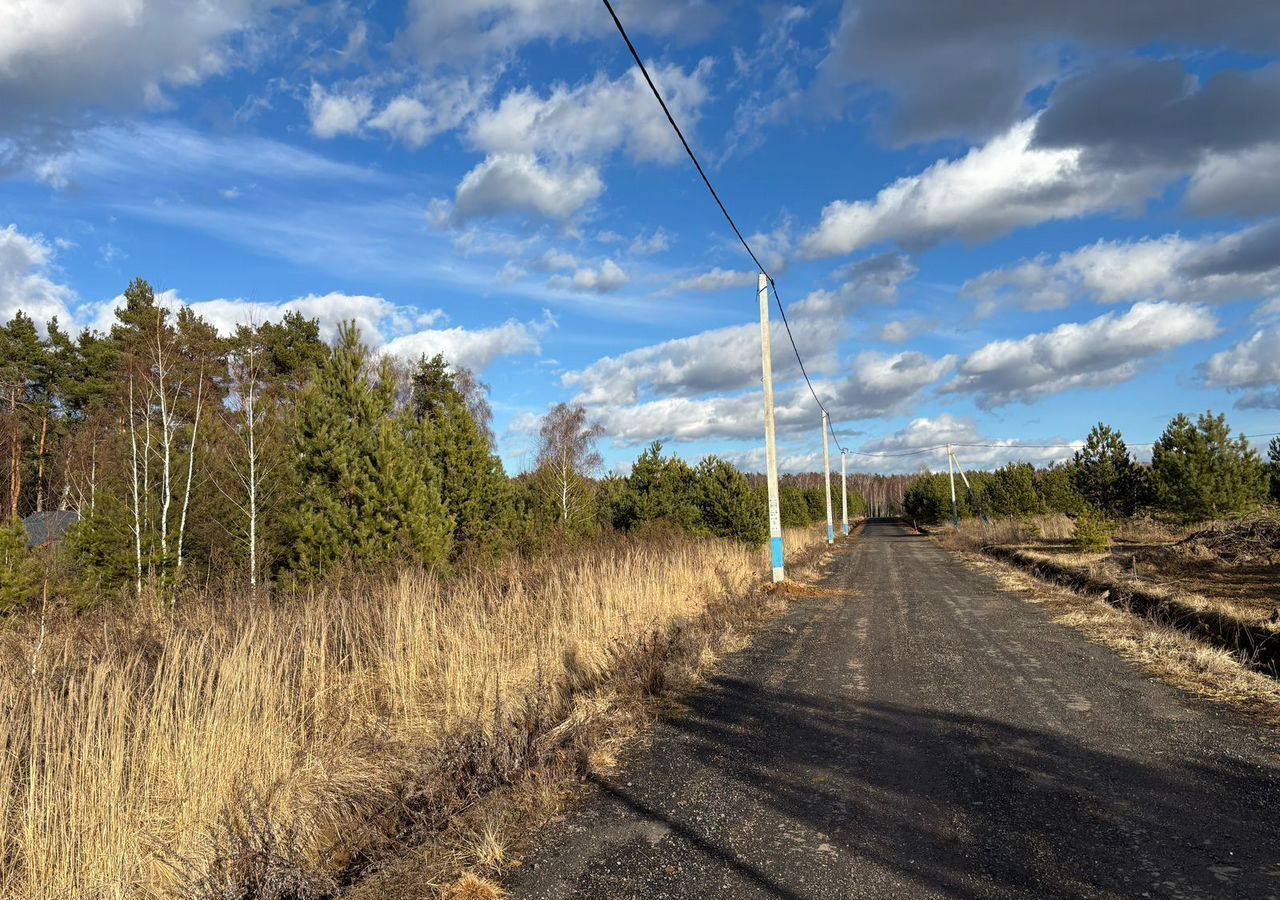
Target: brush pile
[1254,541]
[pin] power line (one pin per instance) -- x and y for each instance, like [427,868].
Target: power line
[720,203]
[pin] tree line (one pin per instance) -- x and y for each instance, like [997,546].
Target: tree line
[1198,471]
[269,456]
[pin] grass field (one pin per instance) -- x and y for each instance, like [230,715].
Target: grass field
[231,748]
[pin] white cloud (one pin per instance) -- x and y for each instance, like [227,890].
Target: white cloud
[1252,365]
[728,358]
[593,119]
[878,385]
[334,114]
[921,443]
[895,332]
[555,260]
[518,183]
[437,105]
[26,281]
[1243,265]
[604,280]
[717,279]
[1004,184]
[543,153]
[1103,351]
[657,242]
[882,384]
[475,349]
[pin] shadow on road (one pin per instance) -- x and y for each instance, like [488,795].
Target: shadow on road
[974,807]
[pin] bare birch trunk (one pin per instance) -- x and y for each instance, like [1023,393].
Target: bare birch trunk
[44,433]
[191,466]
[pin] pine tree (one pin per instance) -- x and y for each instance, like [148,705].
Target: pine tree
[727,505]
[1273,456]
[1012,491]
[19,568]
[476,491]
[1056,487]
[1200,472]
[363,494]
[1105,475]
[663,489]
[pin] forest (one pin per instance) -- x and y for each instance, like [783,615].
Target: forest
[269,458]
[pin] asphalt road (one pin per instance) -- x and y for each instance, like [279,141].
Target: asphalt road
[926,734]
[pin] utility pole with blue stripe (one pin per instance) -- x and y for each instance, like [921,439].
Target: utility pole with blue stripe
[826,465]
[844,491]
[770,444]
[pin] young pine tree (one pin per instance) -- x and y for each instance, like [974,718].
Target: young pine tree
[19,569]
[1201,472]
[363,493]
[1273,458]
[1012,491]
[1105,475]
[727,505]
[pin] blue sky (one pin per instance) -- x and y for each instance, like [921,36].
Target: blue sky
[992,223]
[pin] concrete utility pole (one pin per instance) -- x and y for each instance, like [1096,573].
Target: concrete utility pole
[951,473]
[770,444]
[844,492]
[826,465]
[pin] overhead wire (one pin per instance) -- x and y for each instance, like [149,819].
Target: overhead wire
[773,285]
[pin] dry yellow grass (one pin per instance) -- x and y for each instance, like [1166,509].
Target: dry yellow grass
[234,746]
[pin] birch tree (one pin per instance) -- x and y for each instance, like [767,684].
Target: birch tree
[567,459]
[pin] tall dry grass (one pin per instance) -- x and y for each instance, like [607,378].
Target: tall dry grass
[247,749]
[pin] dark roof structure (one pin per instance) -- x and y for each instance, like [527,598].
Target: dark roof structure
[45,528]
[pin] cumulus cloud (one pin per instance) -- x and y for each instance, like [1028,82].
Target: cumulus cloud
[921,444]
[606,279]
[543,153]
[728,359]
[877,385]
[26,280]
[882,384]
[477,348]
[437,105]
[334,114]
[1004,184]
[1103,351]
[519,183]
[597,117]
[1253,366]
[1219,268]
